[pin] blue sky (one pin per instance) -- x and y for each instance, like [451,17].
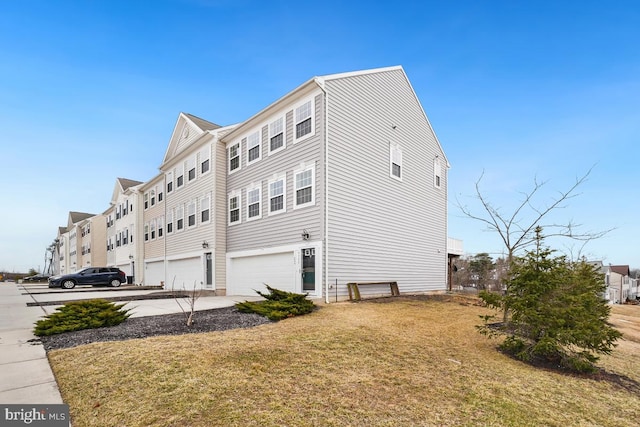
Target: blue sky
[90,91]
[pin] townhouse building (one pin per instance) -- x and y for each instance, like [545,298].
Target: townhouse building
[341,180]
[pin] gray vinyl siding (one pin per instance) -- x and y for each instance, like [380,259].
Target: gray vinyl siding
[285,228]
[153,248]
[381,228]
[218,206]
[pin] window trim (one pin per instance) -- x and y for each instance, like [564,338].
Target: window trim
[205,156]
[230,196]
[205,201]
[258,144]
[229,158]
[170,216]
[395,155]
[169,180]
[297,121]
[179,217]
[190,166]
[282,118]
[192,206]
[179,174]
[283,178]
[301,170]
[250,189]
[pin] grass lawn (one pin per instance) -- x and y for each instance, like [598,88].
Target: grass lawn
[400,362]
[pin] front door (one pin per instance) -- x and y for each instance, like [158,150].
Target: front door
[308,270]
[208,268]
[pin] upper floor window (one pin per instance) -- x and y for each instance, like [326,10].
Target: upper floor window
[253,147]
[205,160]
[303,120]
[190,166]
[179,176]
[179,217]
[160,226]
[153,229]
[205,208]
[153,197]
[234,157]
[437,172]
[170,221]
[277,196]
[191,214]
[146,201]
[169,178]
[146,232]
[304,187]
[234,208]
[254,202]
[395,161]
[276,135]
[160,196]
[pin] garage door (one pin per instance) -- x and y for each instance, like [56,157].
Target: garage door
[183,273]
[153,273]
[248,274]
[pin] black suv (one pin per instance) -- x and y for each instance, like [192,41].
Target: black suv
[111,276]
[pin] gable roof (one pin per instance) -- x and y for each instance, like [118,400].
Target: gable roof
[121,186]
[202,123]
[76,217]
[126,183]
[620,269]
[188,128]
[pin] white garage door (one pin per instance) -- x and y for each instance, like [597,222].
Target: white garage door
[183,273]
[248,274]
[153,273]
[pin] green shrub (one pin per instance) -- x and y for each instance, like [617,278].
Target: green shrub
[278,304]
[78,315]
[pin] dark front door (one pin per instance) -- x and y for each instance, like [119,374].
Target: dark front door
[208,268]
[308,269]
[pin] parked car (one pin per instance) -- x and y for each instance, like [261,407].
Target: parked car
[110,276]
[36,278]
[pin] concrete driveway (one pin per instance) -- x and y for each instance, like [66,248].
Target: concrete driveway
[25,374]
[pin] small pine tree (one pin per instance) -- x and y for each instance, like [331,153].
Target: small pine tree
[278,304]
[78,315]
[557,311]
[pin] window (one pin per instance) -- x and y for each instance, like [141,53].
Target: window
[160,226]
[170,221]
[179,217]
[303,119]
[190,166]
[191,214]
[437,172]
[205,156]
[253,147]
[146,232]
[234,157]
[125,236]
[277,195]
[153,229]
[146,201]
[304,191]
[276,135]
[205,207]
[169,178]
[254,198]
[153,197]
[160,197]
[234,208]
[395,161]
[132,233]
[179,176]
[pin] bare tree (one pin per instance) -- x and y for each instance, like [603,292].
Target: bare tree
[189,308]
[517,229]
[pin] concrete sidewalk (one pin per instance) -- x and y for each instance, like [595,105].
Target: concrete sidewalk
[25,374]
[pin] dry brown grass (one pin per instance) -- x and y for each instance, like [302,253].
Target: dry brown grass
[401,363]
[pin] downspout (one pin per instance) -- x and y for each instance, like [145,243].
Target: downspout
[320,83]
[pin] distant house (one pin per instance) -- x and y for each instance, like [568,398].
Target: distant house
[618,283]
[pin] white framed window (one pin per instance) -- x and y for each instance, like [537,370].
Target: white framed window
[160,227]
[234,157]
[190,167]
[304,187]
[169,178]
[277,140]
[179,176]
[205,209]
[437,172]
[395,161]
[278,194]
[153,197]
[152,226]
[180,218]
[205,160]
[191,214]
[146,201]
[170,221]
[234,208]
[254,153]
[160,197]
[132,233]
[303,120]
[254,202]
[146,231]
